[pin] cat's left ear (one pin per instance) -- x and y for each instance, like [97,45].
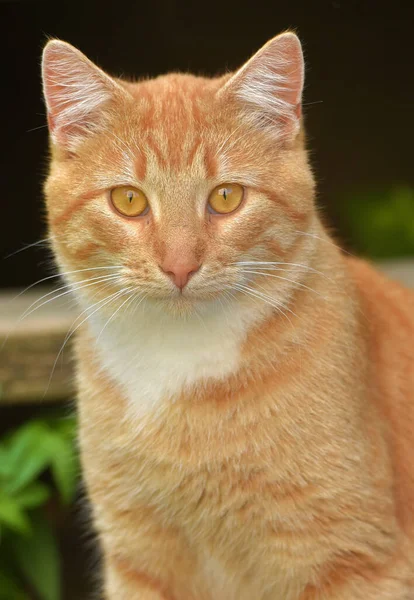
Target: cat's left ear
[268,88]
[78,94]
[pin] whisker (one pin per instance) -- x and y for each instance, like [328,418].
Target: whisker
[100,304]
[297,283]
[288,264]
[36,128]
[224,309]
[278,302]
[29,287]
[273,300]
[258,297]
[230,298]
[321,239]
[267,299]
[27,247]
[312,103]
[69,287]
[88,308]
[114,314]
[268,266]
[144,296]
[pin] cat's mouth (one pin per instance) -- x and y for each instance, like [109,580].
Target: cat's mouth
[188,297]
[184,301]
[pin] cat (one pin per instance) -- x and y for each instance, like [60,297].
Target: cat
[245,389]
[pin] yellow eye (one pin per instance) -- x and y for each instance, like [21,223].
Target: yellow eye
[225,198]
[129,201]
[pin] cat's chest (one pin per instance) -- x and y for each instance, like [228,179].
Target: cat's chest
[154,358]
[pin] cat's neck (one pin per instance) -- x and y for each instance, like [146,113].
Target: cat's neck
[154,356]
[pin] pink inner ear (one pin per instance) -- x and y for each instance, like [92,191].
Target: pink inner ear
[285,56]
[74,89]
[270,85]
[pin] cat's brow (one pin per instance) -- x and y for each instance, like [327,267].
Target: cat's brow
[141,166]
[210,162]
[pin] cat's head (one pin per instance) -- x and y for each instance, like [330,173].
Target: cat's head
[177,190]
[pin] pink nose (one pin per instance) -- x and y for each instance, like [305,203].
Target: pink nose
[179,272]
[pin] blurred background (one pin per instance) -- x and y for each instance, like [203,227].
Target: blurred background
[358,106]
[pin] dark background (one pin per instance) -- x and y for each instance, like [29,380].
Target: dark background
[358,97]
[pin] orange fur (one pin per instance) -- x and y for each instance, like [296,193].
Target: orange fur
[272,456]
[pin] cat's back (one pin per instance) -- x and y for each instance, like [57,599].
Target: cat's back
[387,318]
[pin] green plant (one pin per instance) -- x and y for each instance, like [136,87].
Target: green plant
[380,223]
[38,466]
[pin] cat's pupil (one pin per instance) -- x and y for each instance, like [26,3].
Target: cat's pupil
[225,194]
[130,196]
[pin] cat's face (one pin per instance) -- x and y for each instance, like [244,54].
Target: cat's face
[176,190]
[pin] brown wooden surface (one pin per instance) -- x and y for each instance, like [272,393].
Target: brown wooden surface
[30,346]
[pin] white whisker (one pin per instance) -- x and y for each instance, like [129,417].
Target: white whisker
[321,239]
[114,314]
[267,299]
[296,283]
[255,263]
[100,304]
[28,246]
[69,287]
[62,275]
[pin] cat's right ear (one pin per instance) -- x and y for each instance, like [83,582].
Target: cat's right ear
[76,92]
[268,88]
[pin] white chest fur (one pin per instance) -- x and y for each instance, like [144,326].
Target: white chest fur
[154,356]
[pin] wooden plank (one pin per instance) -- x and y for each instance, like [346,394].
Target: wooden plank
[31,345]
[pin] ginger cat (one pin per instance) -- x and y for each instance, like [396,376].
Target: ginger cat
[246,392]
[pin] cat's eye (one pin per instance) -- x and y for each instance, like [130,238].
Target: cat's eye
[225,198]
[129,201]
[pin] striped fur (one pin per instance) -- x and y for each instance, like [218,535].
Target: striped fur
[248,438]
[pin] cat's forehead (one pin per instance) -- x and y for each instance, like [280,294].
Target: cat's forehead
[175,100]
[176,89]
[177,136]
[177,123]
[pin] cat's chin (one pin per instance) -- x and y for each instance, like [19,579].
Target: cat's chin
[184,305]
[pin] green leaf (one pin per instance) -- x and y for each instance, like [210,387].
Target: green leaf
[5,465]
[30,468]
[24,440]
[36,447]
[12,516]
[10,589]
[32,496]
[64,466]
[38,559]
[28,455]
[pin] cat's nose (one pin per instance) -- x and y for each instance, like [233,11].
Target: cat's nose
[180,272]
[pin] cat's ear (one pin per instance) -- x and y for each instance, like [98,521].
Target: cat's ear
[76,93]
[269,86]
